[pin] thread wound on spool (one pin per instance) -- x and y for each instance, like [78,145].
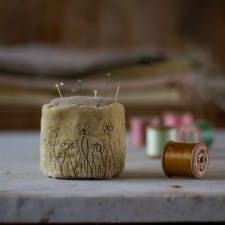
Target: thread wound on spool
[185,159]
[170,119]
[138,126]
[188,133]
[156,138]
[176,120]
[186,119]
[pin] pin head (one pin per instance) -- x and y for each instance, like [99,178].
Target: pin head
[57,86]
[108,74]
[95,92]
[79,81]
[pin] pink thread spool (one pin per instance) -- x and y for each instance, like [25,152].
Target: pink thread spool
[184,123]
[155,122]
[187,131]
[138,126]
[186,119]
[170,120]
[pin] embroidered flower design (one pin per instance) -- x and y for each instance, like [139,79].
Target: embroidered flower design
[54,130]
[107,128]
[83,130]
[99,147]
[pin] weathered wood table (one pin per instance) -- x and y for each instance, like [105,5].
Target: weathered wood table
[141,194]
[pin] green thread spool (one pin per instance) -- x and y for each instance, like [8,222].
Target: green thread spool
[156,138]
[206,132]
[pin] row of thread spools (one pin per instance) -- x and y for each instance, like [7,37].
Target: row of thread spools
[178,139]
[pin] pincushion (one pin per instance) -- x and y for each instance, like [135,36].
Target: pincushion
[82,137]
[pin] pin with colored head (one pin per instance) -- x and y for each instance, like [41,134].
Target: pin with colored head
[117,91]
[57,86]
[74,90]
[79,82]
[95,92]
[107,83]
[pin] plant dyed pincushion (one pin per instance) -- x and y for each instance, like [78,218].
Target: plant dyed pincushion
[82,137]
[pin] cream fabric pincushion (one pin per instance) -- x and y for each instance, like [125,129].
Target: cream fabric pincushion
[82,137]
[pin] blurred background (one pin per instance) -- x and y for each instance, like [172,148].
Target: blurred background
[167,55]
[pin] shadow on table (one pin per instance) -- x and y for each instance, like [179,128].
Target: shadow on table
[212,175]
[141,175]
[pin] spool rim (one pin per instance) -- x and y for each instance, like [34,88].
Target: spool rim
[194,160]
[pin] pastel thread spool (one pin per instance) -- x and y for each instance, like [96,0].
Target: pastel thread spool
[138,127]
[206,132]
[156,138]
[170,120]
[188,133]
[176,120]
[185,159]
[154,122]
[186,119]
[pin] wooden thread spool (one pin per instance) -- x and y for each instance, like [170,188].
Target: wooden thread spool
[170,120]
[177,120]
[186,119]
[185,159]
[156,138]
[138,126]
[188,133]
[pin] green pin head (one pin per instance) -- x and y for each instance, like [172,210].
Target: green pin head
[79,81]
[109,74]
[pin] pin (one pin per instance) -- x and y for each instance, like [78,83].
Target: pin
[79,82]
[95,93]
[117,91]
[107,83]
[57,86]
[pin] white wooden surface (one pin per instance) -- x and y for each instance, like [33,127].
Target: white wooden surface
[141,194]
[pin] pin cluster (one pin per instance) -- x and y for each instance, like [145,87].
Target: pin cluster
[95,91]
